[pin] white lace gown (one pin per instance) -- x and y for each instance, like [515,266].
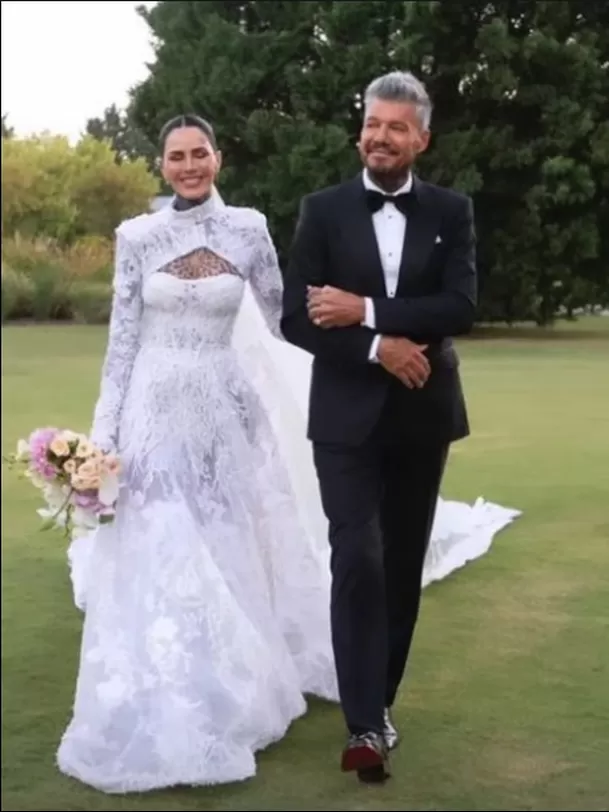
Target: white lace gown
[206,602]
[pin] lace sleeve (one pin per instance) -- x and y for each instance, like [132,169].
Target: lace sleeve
[123,340]
[265,278]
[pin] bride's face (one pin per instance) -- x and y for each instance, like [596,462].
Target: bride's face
[190,162]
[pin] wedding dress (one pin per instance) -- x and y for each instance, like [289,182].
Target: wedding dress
[206,601]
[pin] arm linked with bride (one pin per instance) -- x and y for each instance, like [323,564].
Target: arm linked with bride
[329,308]
[309,266]
[450,312]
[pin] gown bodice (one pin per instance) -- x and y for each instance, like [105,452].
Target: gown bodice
[179,283]
[189,316]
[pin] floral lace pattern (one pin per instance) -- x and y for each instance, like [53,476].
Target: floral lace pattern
[237,237]
[199,264]
[207,615]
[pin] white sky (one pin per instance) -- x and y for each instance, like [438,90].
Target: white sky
[65,62]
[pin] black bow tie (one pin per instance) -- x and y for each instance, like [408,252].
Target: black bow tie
[376,200]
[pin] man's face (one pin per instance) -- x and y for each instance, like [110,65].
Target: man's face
[391,138]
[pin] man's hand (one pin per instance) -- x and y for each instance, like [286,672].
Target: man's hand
[330,307]
[405,360]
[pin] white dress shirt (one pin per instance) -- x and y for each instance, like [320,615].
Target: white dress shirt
[390,228]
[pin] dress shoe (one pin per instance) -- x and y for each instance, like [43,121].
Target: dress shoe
[366,754]
[390,733]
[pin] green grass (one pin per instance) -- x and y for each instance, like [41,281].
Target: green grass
[507,704]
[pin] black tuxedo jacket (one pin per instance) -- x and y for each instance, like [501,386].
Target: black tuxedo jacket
[335,244]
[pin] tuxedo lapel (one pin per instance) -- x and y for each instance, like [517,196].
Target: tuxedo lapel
[362,233]
[421,232]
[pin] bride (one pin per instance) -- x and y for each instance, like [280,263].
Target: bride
[206,601]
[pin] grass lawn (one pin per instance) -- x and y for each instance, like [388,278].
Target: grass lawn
[507,705]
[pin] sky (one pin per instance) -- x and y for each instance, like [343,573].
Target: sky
[65,62]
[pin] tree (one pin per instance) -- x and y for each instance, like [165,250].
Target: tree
[104,192]
[518,125]
[126,139]
[269,78]
[51,188]
[520,89]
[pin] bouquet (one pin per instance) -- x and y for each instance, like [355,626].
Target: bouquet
[78,481]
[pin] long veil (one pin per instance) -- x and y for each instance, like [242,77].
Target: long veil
[280,374]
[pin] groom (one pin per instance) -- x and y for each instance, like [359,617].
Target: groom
[382,273]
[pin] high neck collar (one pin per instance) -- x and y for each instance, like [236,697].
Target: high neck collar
[184,208]
[180,203]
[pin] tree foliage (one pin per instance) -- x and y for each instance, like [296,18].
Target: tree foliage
[521,121]
[126,139]
[51,188]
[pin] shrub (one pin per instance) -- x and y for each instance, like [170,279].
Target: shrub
[18,293]
[43,280]
[53,189]
[91,302]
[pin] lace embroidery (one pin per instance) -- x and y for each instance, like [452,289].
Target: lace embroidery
[199,264]
[231,241]
[207,607]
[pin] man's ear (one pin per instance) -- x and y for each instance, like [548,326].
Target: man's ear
[423,141]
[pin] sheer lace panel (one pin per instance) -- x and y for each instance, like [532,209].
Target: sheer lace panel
[199,264]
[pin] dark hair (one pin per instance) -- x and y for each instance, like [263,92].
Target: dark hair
[187,120]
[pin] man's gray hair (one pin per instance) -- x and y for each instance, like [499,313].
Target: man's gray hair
[401,86]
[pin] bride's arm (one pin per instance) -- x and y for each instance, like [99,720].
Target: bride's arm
[310,265]
[122,346]
[265,277]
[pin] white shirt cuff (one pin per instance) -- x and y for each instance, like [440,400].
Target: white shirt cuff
[370,317]
[373,356]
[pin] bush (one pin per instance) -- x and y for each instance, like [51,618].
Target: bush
[53,189]
[43,280]
[60,207]
[91,302]
[18,294]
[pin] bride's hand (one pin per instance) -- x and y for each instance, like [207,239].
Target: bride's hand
[331,307]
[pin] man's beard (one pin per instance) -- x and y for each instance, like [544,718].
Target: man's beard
[391,178]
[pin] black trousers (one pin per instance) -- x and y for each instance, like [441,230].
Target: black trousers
[380,500]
